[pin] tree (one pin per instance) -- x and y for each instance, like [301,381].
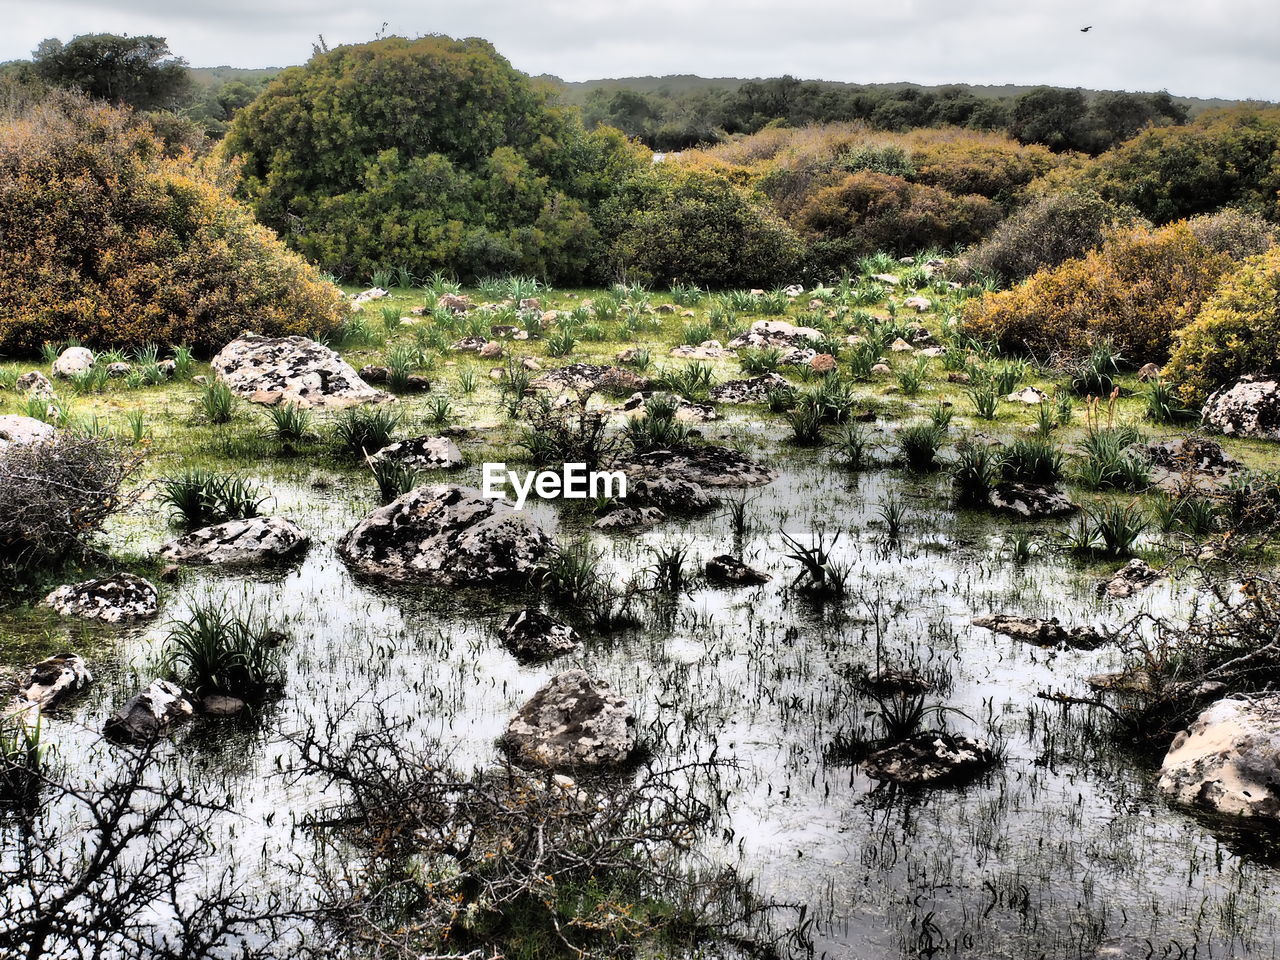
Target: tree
[1051,116]
[138,71]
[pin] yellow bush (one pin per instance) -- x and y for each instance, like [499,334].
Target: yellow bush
[105,239]
[1135,290]
[1237,331]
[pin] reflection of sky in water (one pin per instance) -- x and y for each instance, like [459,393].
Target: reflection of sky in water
[1039,858]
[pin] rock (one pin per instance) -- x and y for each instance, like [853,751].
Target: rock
[629,355]
[961,378]
[414,383]
[799,357]
[668,494]
[1043,633]
[630,518]
[727,569]
[16,430]
[886,278]
[892,680]
[1250,407]
[530,303]
[882,368]
[1190,454]
[111,599]
[666,309]
[55,678]
[754,390]
[793,290]
[572,722]
[454,303]
[918,304]
[707,350]
[706,465]
[167,368]
[1028,395]
[273,370]
[118,370]
[1133,577]
[687,411]
[73,361]
[930,759]
[221,705]
[375,374]
[257,540]
[424,453]
[530,363]
[373,293]
[149,713]
[505,331]
[491,350]
[446,535]
[901,346]
[34,383]
[537,636]
[582,377]
[1030,501]
[774,333]
[472,344]
[1149,372]
[823,363]
[1228,760]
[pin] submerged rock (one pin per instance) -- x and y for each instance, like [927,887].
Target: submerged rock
[1043,633]
[273,370]
[1030,501]
[705,464]
[55,678]
[221,705]
[1228,760]
[894,680]
[150,713]
[16,430]
[446,535]
[256,540]
[668,494]
[424,453]
[1133,577]
[573,721]
[729,569]
[927,759]
[753,390]
[111,599]
[537,636]
[630,518]
[1250,407]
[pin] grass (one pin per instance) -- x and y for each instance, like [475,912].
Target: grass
[200,498]
[364,431]
[217,402]
[224,651]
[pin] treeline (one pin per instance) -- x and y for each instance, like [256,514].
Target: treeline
[1061,119]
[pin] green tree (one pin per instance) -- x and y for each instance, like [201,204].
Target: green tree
[1051,116]
[138,71]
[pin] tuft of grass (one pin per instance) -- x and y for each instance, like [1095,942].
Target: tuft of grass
[217,402]
[1031,460]
[658,429]
[973,474]
[201,498]
[394,478]
[806,422]
[290,423]
[219,651]
[1108,530]
[919,444]
[364,430]
[1164,405]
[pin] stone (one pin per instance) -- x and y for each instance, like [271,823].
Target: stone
[221,705]
[375,374]
[894,680]
[581,377]
[881,368]
[1134,577]
[707,465]
[823,363]
[666,309]
[728,569]
[34,383]
[423,453]
[274,370]
[930,759]
[530,303]
[472,344]
[446,535]
[16,430]
[454,303]
[901,346]
[534,635]
[1250,407]
[113,599]
[257,540]
[73,361]
[668,494]
[150,713]
[687,411]
[414,383]
[774,333]
[961,378]
[918,304]
[886,278]
[1191,454]
[753,390]
[630,518]
[1149,372]
[1030,501]
[1028,395]
[491,350]
[54,679]
[119,369]
[573,722]
[504,331]
[707,350]
[373,293]
[1043,633]
[799,357]
[793,290]
[1228,760]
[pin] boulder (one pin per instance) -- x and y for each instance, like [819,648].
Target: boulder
[534,635]
[753,390]
[472,344]
[581,377]
[668,494]
[793,290]
[774,333]
[1028,395]
[150,713]
[16,430]
[918,304]
[881,368]
[823,363]
[73,361]
[687,411]
[530,303]
[930,759]
[111,599]
[454,303]
[707,465]
[1030,501]
[799,357]
[55,678]
[34,383]
[273,370]
[446,535]
[729,570]
[491,350]
[1133,577]
[630,518]
[424,453]
[573,722]
[1228,760]
[1149,371]
[1191,454]
[257,540]
[707,350]
[375,374]
[1043,633]
[901,346]
[1250,407]
[886,278]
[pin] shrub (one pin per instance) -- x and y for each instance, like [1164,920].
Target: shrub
[54,496]
[1237,331]
[109,241]
[218,651]
[200,498]
[1135,290]
[365,430]
[1236,233]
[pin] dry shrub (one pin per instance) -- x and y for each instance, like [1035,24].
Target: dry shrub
[109,241]
[1237,233]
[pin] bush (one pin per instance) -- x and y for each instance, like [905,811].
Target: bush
[1237,233]
[1237,332]
[54,496]
[1044,233]
[1135,291]
[216,651]
[108,241]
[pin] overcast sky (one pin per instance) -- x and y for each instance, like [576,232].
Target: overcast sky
[1209,48]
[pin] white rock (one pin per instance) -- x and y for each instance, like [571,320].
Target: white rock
[72,361]
[16,430]
[273,370]
[257,540]
[1228,760]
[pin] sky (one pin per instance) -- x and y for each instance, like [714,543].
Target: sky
[1207,48]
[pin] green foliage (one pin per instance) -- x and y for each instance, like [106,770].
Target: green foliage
[919,443]
[364,430]
[200,498]
[219,651]
[973,474]
[138,71]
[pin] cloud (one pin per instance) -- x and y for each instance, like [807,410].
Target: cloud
[1189,47]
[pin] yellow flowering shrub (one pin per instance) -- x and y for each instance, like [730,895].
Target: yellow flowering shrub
[105,239]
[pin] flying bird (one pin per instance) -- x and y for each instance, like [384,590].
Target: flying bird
[1086,29]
